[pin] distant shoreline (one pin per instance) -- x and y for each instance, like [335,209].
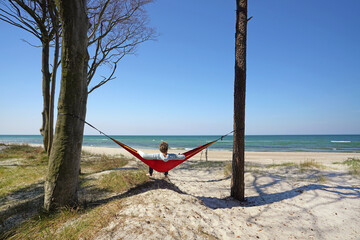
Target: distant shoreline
[254,143]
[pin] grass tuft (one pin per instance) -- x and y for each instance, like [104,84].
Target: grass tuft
[34,155]
[354,165]
[27,165]
[67,223]
[98,163]
[287,164]
[308,164]
[120,181]
[228,169]
[207,164]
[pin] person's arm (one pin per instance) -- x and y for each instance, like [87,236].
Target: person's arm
[173,156]
[150,156]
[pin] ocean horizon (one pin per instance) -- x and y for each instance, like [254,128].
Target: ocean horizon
[254,143]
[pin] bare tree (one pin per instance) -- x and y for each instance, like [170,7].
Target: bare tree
[57,32]
[34,16]
[238,161]
[117,28]
[62,179]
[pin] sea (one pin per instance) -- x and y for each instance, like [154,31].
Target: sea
[255,143]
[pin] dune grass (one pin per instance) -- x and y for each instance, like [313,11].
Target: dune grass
[310,164]
[92,163]
[354,165]
[256,168]
[13,179]
[67,223]
[121,181]
[28,165]
[287,164]
[207,164]
[35,155]
[25,165]
[228,169]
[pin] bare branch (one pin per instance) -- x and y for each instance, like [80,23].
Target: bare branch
[36,46]
[105,80]
[119,29]
[99,19]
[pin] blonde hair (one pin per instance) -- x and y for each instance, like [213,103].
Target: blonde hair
[164,147]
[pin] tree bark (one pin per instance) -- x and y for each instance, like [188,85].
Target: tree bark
[55,21]
[62,179]
[238,161]
[44,130]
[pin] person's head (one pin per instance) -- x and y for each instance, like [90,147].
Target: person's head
[164,147]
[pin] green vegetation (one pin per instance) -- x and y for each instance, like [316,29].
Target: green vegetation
[310,164]
[207,164]
[92,163]
[354,165]
[67,223]
[228,169]
[22,166]
[320,179]
[121,181]
[249,167]
[287,164]
[35,155]
[13,179]
[303,167]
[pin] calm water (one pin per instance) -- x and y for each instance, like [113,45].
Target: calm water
[265,143]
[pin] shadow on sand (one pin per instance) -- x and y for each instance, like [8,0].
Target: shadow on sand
[36,200]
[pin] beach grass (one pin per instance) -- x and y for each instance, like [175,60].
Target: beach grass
[308,164]
[207,164]
[25,152]
[249,167]
[302,167]
[67,223]
[228,169]
[92,163]
[353,164]
[287,164]
[14,179]
[121,181]
[25,165]
[21,166]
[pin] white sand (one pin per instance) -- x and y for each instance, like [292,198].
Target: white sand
[282,202]
[264,157]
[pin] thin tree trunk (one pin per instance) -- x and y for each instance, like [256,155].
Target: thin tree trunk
[238,161]
[62,179]
[44,130]
[52,93]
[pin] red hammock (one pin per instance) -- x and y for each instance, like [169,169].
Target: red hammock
[160,165]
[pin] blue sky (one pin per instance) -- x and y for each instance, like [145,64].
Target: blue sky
[302,72]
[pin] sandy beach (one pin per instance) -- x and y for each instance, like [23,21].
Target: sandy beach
[259,157]
[283,202]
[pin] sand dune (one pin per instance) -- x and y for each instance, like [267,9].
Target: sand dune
[281,202]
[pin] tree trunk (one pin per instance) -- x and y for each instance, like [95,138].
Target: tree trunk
[238,161]
[44,130]
[64,163]
[52,93]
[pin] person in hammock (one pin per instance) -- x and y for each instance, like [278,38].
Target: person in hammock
[163,155]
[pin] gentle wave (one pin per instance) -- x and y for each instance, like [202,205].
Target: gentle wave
[257,143]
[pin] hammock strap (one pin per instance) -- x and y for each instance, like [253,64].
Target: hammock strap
[155,164]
